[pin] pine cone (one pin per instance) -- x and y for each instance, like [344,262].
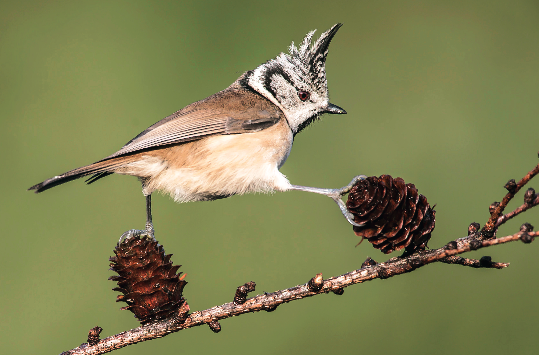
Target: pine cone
[393,214]
[148,280]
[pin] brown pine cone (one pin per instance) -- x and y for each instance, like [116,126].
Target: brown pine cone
[393,214]
[148,280]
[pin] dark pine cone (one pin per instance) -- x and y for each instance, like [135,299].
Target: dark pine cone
[148,280]
[393,214]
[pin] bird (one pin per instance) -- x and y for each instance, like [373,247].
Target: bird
[232,142]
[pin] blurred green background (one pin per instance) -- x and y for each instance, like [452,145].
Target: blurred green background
[441,93]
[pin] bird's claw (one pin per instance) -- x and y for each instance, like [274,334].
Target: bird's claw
[336,195]
[133,233]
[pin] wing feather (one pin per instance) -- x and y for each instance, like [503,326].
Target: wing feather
[204,119]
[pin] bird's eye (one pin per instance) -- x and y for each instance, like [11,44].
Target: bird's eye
[303,95]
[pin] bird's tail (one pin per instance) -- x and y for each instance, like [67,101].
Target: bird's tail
[98,170]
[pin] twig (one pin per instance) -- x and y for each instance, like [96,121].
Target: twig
[490,226]
[523,208]
[484,262]
[474,244]
[269,301]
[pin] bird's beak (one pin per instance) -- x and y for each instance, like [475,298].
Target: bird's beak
[334,109]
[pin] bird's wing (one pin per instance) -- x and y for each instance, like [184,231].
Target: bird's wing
[201,121]
[231,111]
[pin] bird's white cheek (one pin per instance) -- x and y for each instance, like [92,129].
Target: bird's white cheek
[297,117]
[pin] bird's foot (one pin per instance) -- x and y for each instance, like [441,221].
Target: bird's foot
[336,195]
[132,233]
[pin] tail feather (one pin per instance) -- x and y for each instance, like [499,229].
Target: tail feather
[99,170]
[97,176]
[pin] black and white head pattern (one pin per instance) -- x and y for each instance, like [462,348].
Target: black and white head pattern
[296,82]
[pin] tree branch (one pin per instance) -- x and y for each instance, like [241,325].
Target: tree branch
[270,301]
[513,188]
[484,262]
[522,208]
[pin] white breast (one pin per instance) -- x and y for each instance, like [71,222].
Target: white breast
[218,166]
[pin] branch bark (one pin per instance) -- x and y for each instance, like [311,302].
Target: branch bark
[270,301]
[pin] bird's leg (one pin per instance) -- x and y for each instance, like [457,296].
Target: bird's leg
[148,232]
[149,223]
[335,195]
